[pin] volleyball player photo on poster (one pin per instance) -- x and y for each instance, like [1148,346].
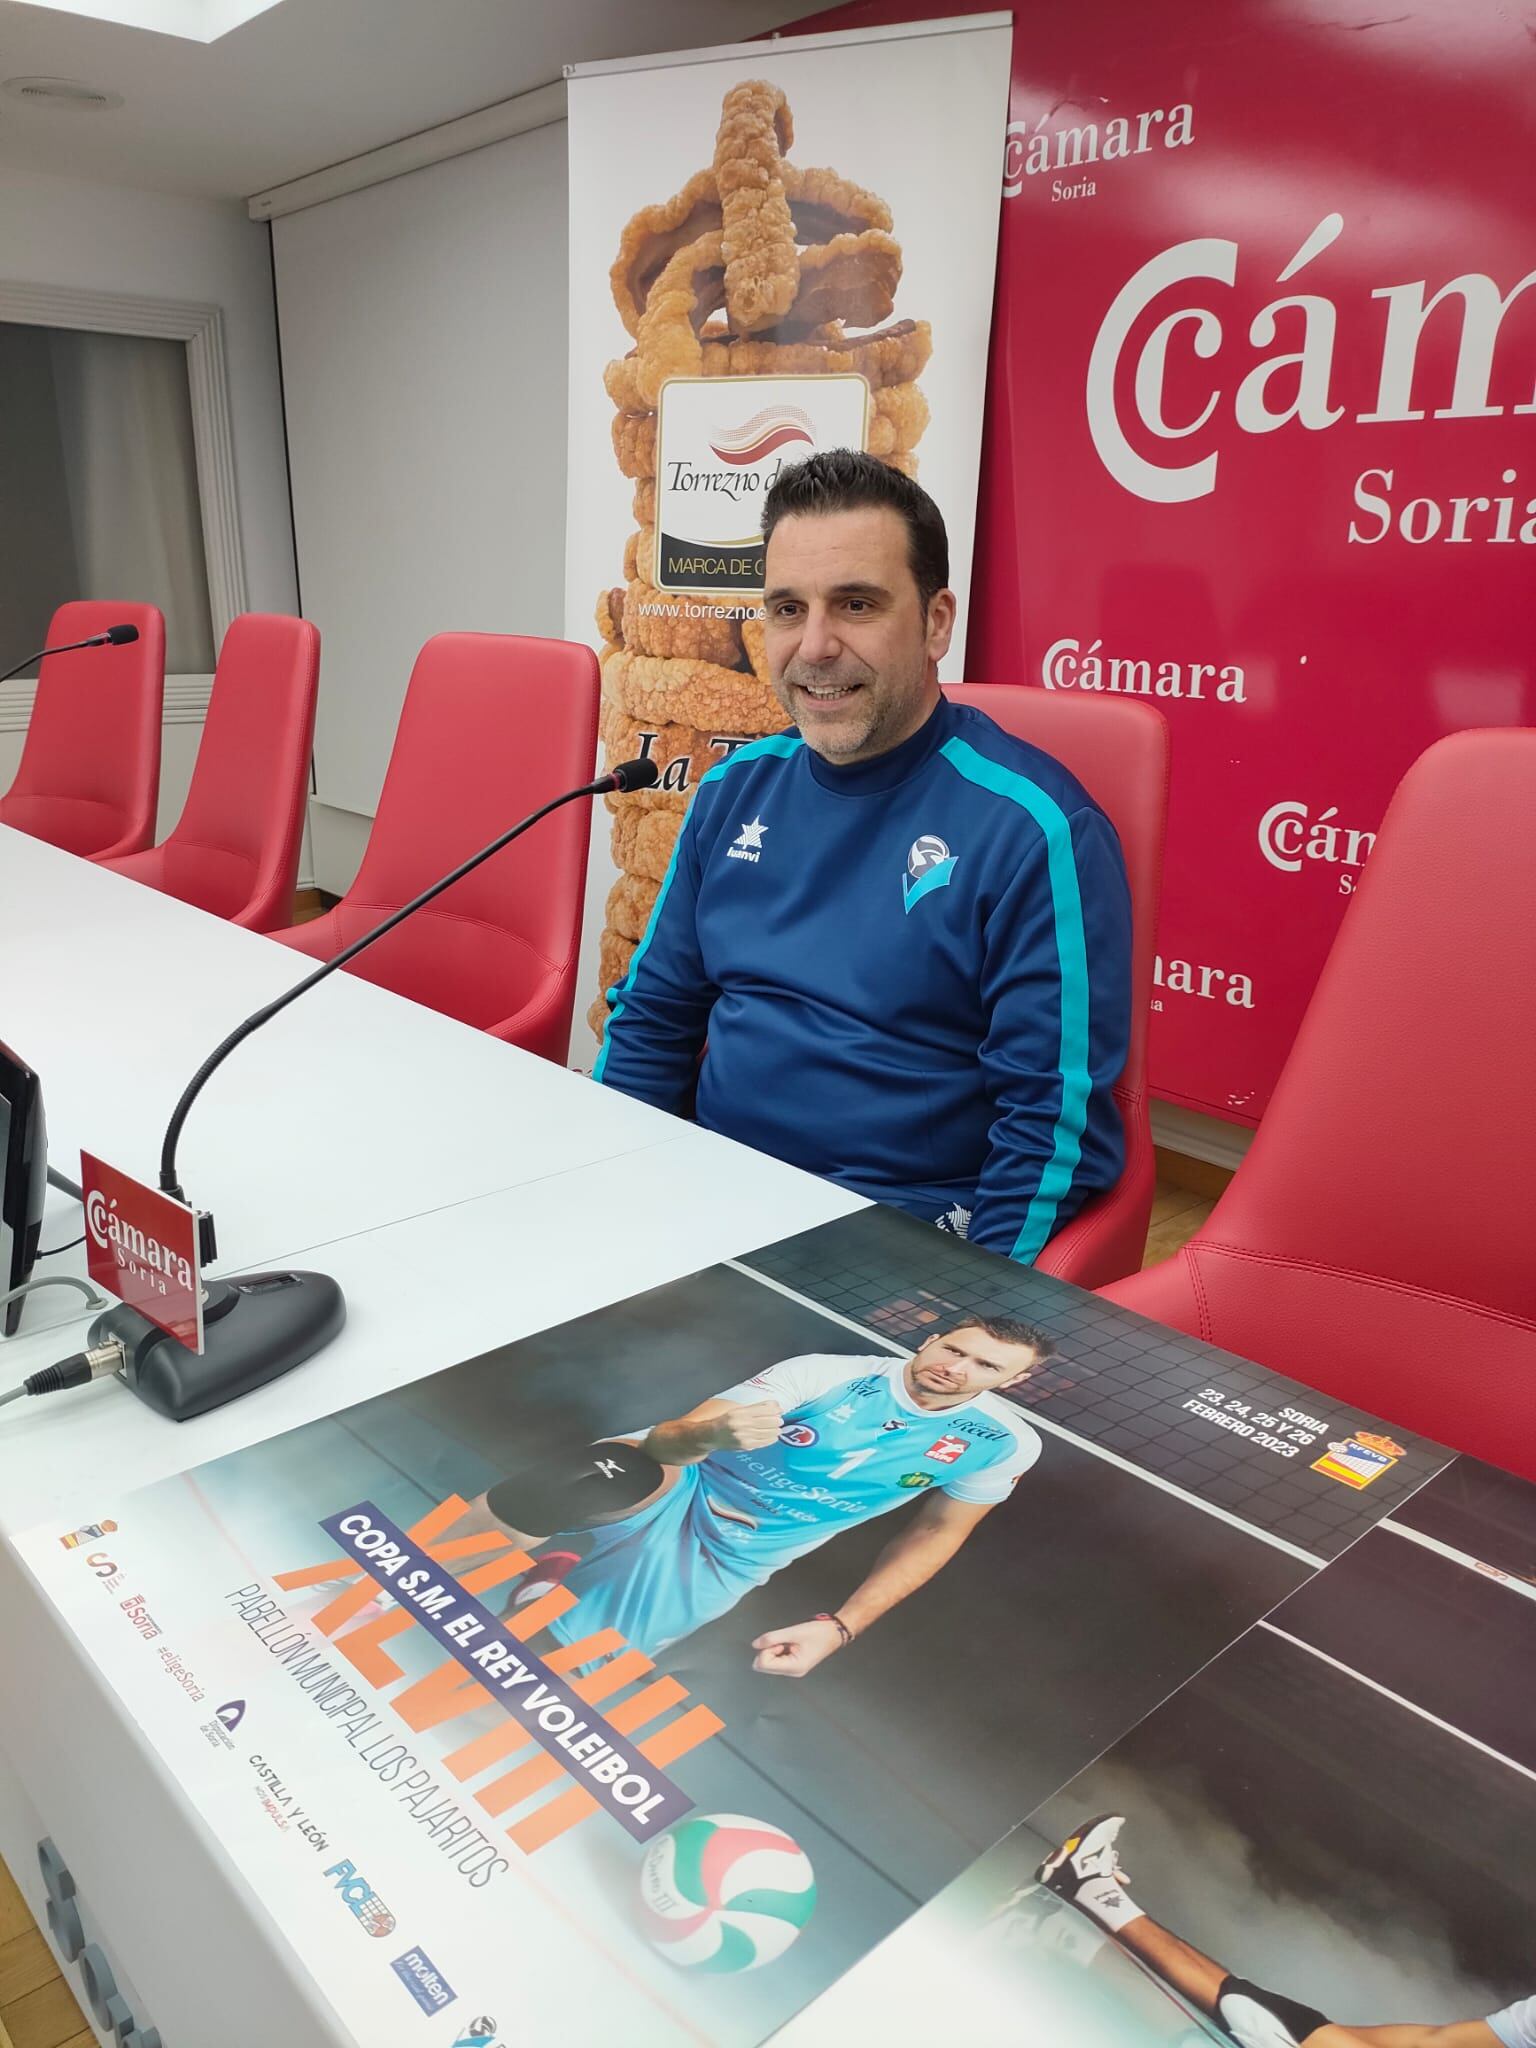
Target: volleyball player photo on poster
[646,1673]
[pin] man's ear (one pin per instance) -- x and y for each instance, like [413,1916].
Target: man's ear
[942,607]
[1033,1366]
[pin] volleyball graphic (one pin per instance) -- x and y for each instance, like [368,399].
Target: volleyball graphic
[722,1892]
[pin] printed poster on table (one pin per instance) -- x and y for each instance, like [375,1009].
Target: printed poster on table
[1324,1838]
[636,1680]
[768,256]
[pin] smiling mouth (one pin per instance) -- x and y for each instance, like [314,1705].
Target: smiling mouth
[833,693]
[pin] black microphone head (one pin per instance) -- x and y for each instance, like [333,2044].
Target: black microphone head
[120,636]
[631,775]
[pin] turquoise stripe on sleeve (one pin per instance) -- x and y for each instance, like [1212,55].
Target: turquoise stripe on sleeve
[756,750]
[1072,959]
[781,743]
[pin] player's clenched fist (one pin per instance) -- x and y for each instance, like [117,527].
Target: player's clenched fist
[792,1652]
[748,1426]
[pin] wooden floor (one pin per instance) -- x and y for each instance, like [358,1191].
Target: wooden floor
[1177,1213]
[36,2007]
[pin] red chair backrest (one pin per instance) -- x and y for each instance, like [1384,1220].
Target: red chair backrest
[1117,747]
[494,724]
[235,849]
[1377,1240]
[89,776]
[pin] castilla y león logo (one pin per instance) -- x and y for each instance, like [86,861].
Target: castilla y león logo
[762,435]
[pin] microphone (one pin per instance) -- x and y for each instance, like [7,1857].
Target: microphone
[114,636]
[261,1325]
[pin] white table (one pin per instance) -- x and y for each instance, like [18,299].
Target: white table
[463,1193]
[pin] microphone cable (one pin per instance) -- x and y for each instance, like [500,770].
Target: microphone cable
[75,1371]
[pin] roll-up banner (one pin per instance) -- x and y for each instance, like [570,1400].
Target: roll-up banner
[853,311]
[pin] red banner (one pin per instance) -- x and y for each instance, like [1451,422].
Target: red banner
[1260,443]
[142,1247]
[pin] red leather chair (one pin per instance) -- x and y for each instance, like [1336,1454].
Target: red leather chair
[1117,747]
[1377,1242]
[89,777]
[235,849]
[493,726]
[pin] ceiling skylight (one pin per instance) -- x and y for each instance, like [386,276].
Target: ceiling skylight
[196,21]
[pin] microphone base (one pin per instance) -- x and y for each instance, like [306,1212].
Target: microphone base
[255,1329]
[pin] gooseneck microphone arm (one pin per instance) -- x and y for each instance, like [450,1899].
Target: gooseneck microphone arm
[629,775]
[114,636]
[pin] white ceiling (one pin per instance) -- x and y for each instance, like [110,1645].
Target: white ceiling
[311,82]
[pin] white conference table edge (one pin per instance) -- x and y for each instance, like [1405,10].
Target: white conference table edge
[65,1709]
[354,1107]
[68,1709]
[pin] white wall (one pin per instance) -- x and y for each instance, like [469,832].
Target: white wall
[424,360]
[65,231]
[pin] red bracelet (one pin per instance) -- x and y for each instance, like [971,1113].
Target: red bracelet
[840,1625]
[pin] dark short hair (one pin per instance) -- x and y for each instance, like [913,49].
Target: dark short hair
[845,480]
[1008,1330]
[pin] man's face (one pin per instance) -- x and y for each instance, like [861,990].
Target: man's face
[854,661]
[967,1363]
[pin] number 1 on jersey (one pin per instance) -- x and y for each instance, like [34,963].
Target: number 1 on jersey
[853,1460]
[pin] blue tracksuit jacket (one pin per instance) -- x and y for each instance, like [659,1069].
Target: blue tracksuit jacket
[913,975]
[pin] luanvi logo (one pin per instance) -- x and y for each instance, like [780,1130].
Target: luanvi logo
[748,843]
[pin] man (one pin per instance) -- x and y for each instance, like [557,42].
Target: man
[905,935]
[1084,1869]
[775,1466]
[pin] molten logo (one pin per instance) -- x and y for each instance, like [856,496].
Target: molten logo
[766,431]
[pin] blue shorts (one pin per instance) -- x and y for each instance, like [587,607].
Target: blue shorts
[660,1573]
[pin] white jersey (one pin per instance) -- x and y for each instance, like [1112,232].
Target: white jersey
[1515,2026]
